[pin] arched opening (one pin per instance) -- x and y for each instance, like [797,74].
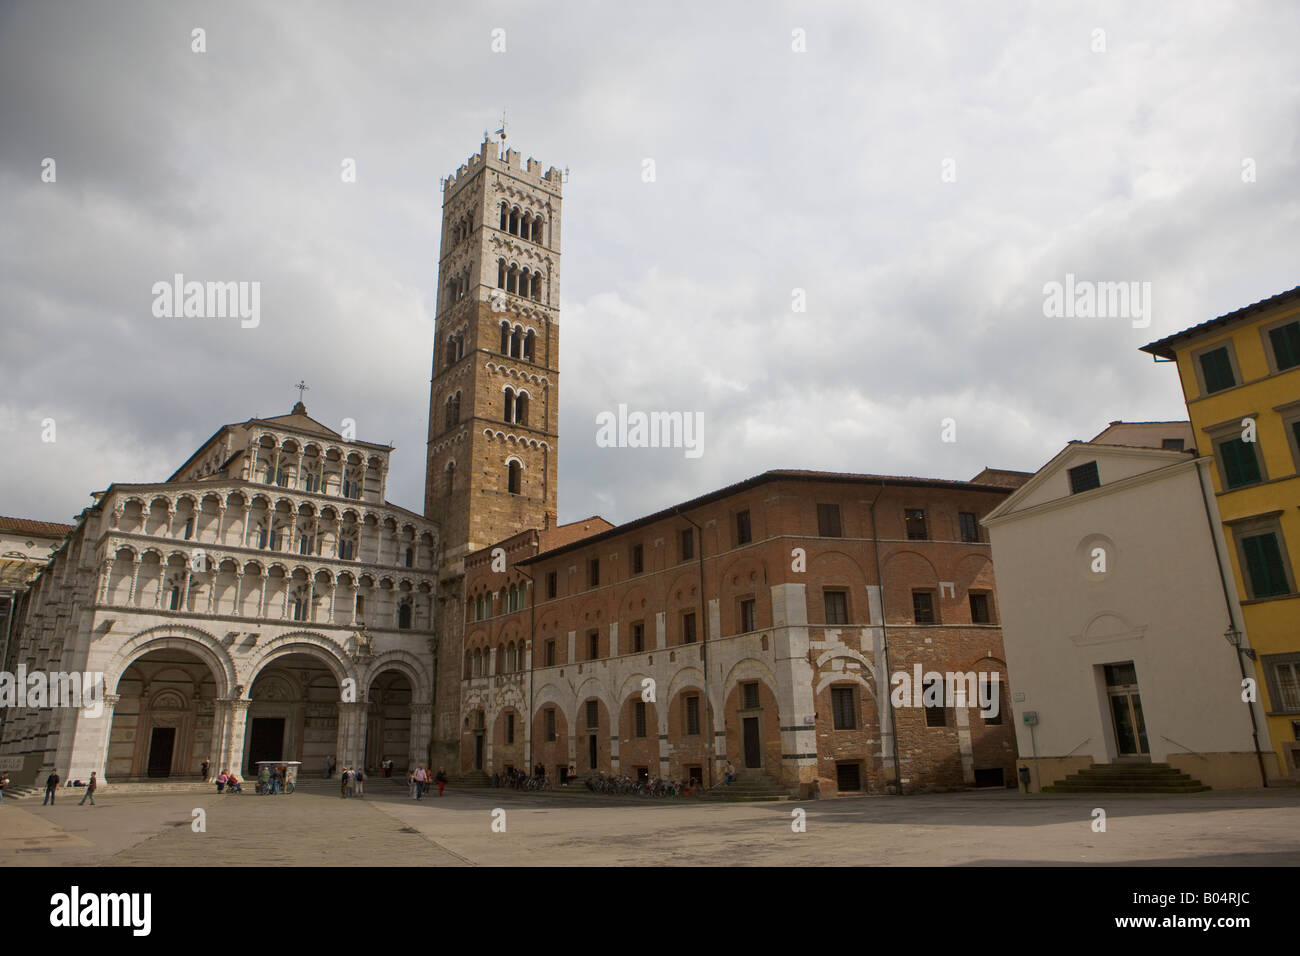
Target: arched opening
[514,479]
[163,722]
[388,722]
[510,405]
[294,713]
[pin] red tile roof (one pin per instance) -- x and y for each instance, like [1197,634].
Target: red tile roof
[45,529]
[1163,348]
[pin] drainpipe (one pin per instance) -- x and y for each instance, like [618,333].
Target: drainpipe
[884,639]
[704,647]
[1227,603]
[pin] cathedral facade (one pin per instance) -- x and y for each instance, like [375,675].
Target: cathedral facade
[263,603]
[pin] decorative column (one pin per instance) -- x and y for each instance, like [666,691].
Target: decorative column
[103,587]
[232,750]
[421,731]
[352,733]
[136,561]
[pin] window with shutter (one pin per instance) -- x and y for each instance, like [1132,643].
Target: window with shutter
[593,714]
[1264,566]
[1286,345]
[837,607]
[828,520]
[639,709]
[693,716]
[749,694]
[1240,464]
[842,708]
[1216,369]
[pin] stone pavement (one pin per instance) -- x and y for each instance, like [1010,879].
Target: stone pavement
[317,828]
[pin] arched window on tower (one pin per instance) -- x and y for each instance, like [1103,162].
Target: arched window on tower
[537,286]
[501,273]
[451,478]
[404,616]
[525,281]
[453,410]
[517,342]
[521,409]
[514,480]
[505,340]
[537,229]
[529,340]
[505,216]
[510,405]
[512,279]
[526,223]
[514,221]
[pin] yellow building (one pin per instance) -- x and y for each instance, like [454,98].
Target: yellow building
[1241,379]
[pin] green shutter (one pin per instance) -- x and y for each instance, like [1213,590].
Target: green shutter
[1286,345]
[1264,566]
[1240,465]
[1217,370]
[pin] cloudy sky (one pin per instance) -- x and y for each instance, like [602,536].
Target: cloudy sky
[920,170]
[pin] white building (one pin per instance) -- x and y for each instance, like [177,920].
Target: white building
[265,602]
[1116,596]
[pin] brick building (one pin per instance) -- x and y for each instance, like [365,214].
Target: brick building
[758,622]
[761,619]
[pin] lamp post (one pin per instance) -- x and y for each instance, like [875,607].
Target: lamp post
[1233,636]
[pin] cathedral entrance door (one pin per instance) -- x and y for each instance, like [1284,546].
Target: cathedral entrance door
[161,744]
[267,740]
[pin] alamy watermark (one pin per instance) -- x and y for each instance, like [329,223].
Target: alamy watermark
[1085,299]
[626,429]
[208,300]
[952,689]
[53,689]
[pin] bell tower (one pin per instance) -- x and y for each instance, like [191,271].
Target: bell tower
[490,465]
[493,399]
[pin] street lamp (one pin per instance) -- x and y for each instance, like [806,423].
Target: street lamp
[1233,636]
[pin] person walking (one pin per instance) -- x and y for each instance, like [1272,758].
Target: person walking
[206,766]
[441,778]
[51,788]
[359,781]
[421,778]
[344,779]
[410,783]
[90,790]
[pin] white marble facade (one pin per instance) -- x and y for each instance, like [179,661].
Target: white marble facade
[265,602]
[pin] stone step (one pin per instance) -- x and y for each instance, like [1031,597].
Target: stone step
[1076,788]
[1128,778]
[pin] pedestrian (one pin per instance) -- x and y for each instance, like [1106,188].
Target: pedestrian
[264,779]
[233,784]
[221,781]
[359,780]
[410,783]
[51,788]
[421,778]
[729,772]
[90,790]
[4,782]
[344,779]
[442,780]
[206,766]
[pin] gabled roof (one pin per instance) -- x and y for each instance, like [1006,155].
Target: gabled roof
[299,420]
[1164,348]
[1160,458]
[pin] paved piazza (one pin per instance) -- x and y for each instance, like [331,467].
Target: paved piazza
[314,827]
